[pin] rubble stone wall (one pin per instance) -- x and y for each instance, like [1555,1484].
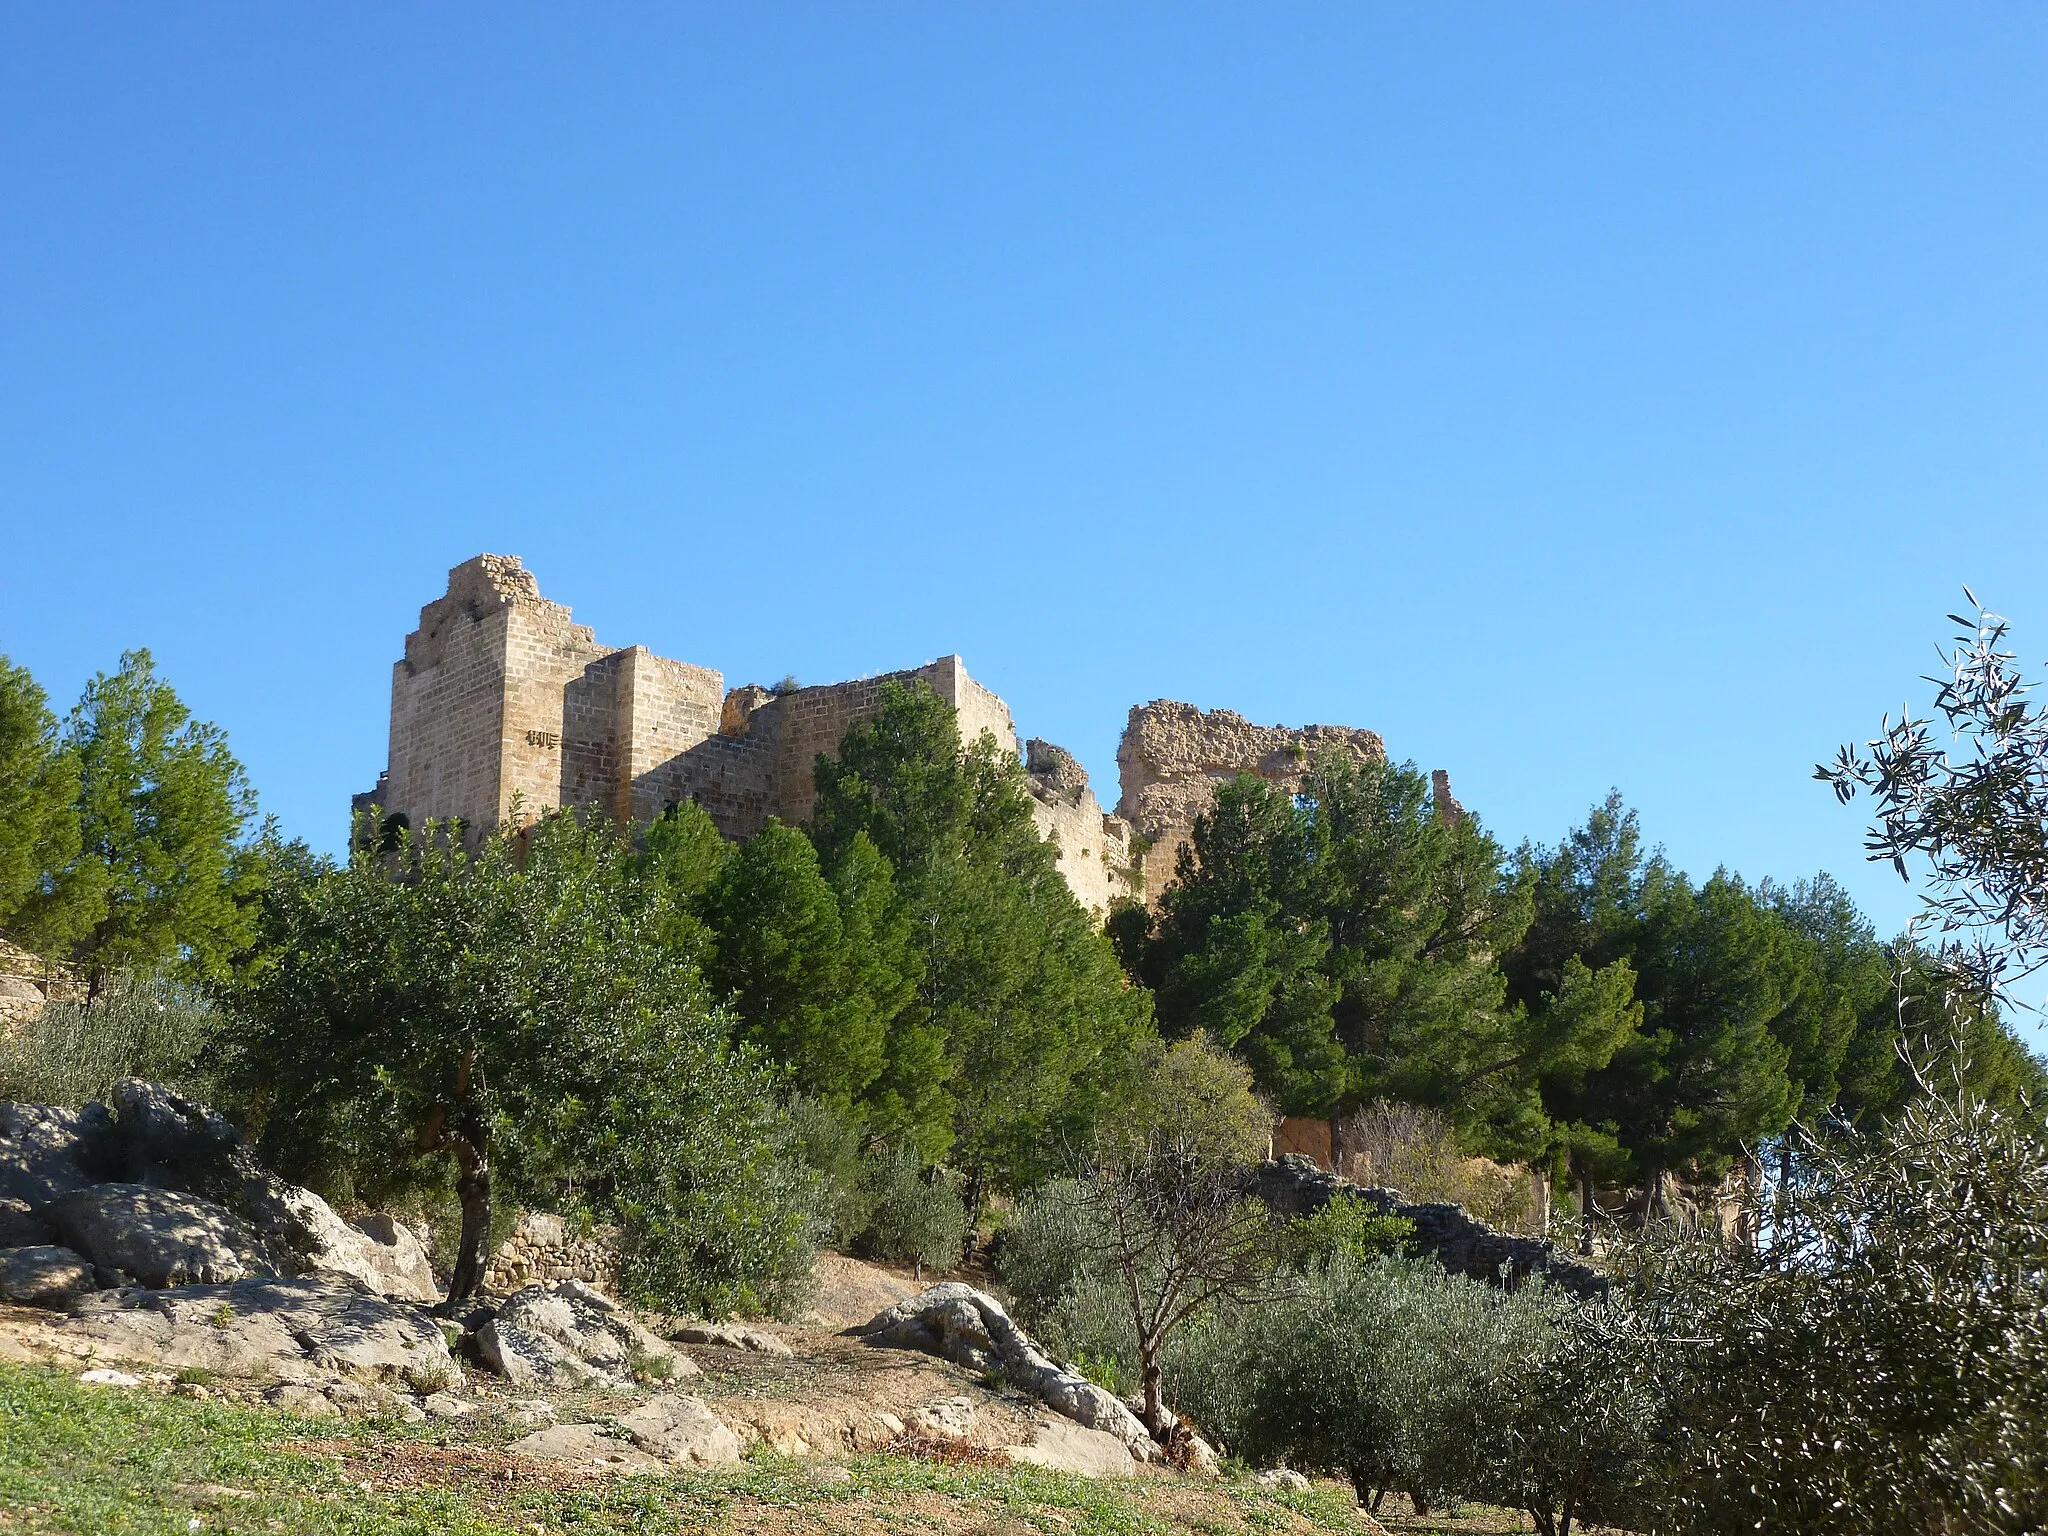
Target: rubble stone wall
[543,1248]
[1174,755]
[503,703]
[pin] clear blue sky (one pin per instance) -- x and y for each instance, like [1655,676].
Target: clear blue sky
[1579,396]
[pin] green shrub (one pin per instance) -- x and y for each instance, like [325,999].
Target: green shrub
[1375,1372]
[828,1139]
[1346,1229]
[917,1216]
[145,1026]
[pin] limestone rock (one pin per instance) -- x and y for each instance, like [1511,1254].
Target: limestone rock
[160,1236]
[302,1401]
[970,1328]
[22,1227]
[1285,1479]
[1064,1446]
[588,1448]
[106,1376]
[567,1335]
[950,1418]
[398,1259]
[43,1277]
[681,1431]
[296,1329]
[446,1405]
[45,1152]
[732,1336]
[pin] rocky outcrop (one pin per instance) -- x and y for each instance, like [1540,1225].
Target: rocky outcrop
[44,1276]
[664,1434]
[1461,1242]
[297,1329]
[158,1189]
[567,1336]
[739,1336]
[1063,1446]
[159,1237]
[970,1328]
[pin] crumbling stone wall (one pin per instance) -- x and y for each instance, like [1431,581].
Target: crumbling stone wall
[1173,756]
[543,1248]
[1095,849]
[501,701]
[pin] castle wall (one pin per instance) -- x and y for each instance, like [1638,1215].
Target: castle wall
[503,701]
[1173,757]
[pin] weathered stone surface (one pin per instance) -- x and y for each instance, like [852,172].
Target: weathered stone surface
[566,1335]
[588,1448]
[950,1418]
[160,1236]
[1461,1242]
[22,1227]
[1064,1446]
[43,1277]
[303,1401]
[970,1328]
[107,1376]
[397,1259]
[45,1152]
[446,1405]
[296,1329]
[731,1336]
[1284,1478]
[682,1431]
[1173,756]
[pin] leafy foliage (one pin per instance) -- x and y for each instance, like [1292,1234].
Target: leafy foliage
[38,796]
[527,1024]
[1019,1028]
[153,1027]
[149,868]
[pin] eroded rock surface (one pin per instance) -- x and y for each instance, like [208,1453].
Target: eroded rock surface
[971,1328]
[682,1431]
[296,1329]
[160,1237]
[1064,1446]
[43,1276]
[568,1335]
[731,1336]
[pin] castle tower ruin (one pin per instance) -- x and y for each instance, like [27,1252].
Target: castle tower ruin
[503,707]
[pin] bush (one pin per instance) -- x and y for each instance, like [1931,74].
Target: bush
[146,1026]
[1415,1150]
[1346,1230]
[828,1139]
[1878,1364]
[917,1217]
[1377,1372]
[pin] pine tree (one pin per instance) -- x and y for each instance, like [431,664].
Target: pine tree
[38,810]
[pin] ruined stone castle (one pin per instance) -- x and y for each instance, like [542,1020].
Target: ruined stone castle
[503,706]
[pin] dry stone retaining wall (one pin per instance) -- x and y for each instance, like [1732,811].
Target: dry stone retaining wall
[544,1249]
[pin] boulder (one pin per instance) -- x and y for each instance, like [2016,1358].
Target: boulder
[160,1236]
[682,1431]
[398,1258]
[970,1328]
[45,1153]
[43,1277]
[302,1401]
[949,1418]
[297,1329]
[22,1227]
[587,1448]
[167,1140]
[732,1336]
[1064,1446]
[1282,1479]
[567,1335]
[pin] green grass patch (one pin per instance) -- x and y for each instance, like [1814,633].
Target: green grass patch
[85,1460]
